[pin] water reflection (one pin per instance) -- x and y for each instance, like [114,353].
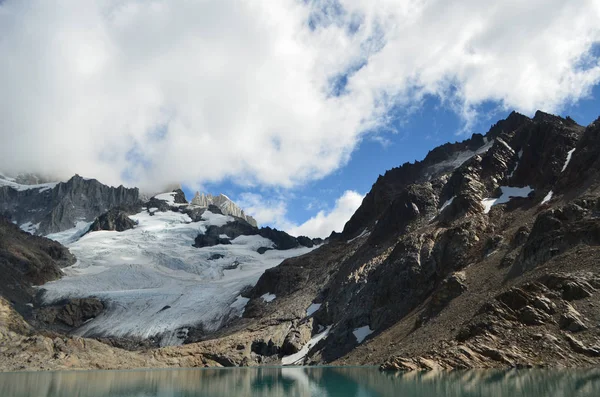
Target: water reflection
[302,382]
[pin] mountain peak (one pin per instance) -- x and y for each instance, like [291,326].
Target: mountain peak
[227,206]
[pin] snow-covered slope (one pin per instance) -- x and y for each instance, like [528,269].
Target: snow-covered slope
[227,206]
[155,282]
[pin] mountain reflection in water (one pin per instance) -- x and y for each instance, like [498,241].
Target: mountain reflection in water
[301,382]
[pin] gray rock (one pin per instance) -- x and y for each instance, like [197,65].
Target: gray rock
[61,207]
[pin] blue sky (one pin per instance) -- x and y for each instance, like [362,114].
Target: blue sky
[412,138]
[290,107]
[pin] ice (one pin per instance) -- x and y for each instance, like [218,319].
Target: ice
[298,357]
[517,165]
[447,203]
[548,197]
[71,235]
[30,227]
[362,234]
[139,272]
[239,304]
[443,207]
[168,197]
[42,187]
[312,309]
[504,143]
[508,192]
[361,333]
[460,158]
[568,160]
[268,297]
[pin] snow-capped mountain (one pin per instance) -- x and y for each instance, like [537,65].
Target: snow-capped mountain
[227,206]
[155,280]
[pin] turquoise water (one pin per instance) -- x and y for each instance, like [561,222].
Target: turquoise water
[301,382]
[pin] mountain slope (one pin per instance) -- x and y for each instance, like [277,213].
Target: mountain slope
[425,266]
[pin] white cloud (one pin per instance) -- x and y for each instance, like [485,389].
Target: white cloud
[322,224]
[152,92]
[274,212]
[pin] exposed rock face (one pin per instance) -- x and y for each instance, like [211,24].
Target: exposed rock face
[239,227]
[114,219]
[26,261]
[226,206]
[71,313]
[59,207]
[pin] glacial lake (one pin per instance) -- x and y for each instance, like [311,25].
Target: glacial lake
[301,382]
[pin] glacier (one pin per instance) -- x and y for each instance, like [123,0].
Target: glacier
[154,283]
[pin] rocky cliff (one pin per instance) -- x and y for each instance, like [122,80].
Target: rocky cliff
[224,203]
[54,207]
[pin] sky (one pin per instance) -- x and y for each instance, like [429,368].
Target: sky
[292,108]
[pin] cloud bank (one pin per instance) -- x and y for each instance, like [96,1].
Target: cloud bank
[270,93]
[274,212]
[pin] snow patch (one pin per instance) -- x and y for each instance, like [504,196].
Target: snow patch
[362,234]
[298,357]
[361,333]
[568,160]
[17,186]
[168,197]
[71,235]
[312,309]
[30,227]
[239,305]
[268,297]
[224,236]
[517,165]
[508,193]
[548,197]
[505,144]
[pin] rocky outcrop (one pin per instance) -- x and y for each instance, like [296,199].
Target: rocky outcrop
[69,314]
[115,219]
[238,227]
[59,207]
[226,206]
[27,261]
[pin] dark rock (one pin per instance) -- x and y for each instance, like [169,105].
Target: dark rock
[264,348]
[60,208]
[179,197]
[532,316]
[216,256]
[262,250]
[27,261]
[114,219]
[70,312]
[572,320]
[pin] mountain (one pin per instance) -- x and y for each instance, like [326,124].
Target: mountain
[225,204]
[55,207]
[482,255]
[161,272]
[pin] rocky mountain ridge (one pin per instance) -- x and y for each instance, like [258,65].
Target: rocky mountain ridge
[55,207]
